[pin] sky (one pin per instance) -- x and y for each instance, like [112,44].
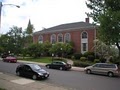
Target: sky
[42,13]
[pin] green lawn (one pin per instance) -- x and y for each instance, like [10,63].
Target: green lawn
[41,59]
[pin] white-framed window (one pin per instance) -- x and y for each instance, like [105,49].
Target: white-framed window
[67,38]
[60,37]
[84,35]
[53,38]
[84,47]
[40,39]
[84,42]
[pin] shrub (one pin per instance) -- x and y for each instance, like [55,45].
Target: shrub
[59,59]
[102,60]
[81,64]
[91,58]
[88,53]
[96,60]
[68,56]
[117,61]
[77,56]
[72,57]
[83,59]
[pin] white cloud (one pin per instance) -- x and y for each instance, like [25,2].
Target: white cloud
[42,13]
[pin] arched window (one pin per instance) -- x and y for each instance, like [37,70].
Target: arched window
[40,39]
[84,35]
[84,42]
[67,37]
[60,38]
[53,38]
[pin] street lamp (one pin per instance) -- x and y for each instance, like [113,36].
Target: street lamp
[1,9]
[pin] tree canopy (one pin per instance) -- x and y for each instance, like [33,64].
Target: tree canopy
[106,13]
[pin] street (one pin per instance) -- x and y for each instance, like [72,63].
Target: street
[72,79]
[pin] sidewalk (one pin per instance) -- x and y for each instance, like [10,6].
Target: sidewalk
[12,82]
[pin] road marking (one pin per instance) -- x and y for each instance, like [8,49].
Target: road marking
[22,81]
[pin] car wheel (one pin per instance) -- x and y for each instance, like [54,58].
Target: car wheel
[34,77]
[61,68]
[88,71]
[48,66]
[110,74]
[18,73]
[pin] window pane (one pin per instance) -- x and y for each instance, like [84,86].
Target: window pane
[40,39]
[53,39]
[67,37]
[60,38]
[84,46]
[84,35]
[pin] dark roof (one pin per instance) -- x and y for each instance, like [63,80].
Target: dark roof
[69,26]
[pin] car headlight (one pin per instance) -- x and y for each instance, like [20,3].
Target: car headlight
[48,73]
[40,74]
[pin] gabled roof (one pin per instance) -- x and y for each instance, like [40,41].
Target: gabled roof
[69,26]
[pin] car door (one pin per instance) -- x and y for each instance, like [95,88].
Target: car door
[60,64]
[54,65]
[28,72]
[96,68]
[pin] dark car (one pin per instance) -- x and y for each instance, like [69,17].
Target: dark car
[59,65]
[10,59]
[33,71]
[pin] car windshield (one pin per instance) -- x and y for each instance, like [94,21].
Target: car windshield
[64,63]
[35,67]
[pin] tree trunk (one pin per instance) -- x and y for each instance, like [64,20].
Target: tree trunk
[118,46]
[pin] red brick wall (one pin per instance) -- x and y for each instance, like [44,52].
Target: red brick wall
[91,38]
[75,38]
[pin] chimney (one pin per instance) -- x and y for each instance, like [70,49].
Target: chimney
[87,20]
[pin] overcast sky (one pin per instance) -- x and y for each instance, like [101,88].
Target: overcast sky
[42,13]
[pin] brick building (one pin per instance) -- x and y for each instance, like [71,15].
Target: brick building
[82,34]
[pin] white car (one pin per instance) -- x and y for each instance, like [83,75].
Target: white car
[103,68]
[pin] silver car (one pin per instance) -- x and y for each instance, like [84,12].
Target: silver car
[103,68]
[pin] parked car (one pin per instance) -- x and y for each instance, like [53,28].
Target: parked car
[59,65]
[103,68]
[33,71]
[4,55]
[10,59]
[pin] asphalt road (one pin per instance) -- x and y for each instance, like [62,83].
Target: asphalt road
[72,79]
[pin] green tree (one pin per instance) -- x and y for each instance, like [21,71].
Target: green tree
[46,47]
[106,13]
[35,50]
[28,34]
[62,49]
[15,40]
[12,41]
[4,43]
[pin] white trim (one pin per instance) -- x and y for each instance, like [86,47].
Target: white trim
[84,40]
